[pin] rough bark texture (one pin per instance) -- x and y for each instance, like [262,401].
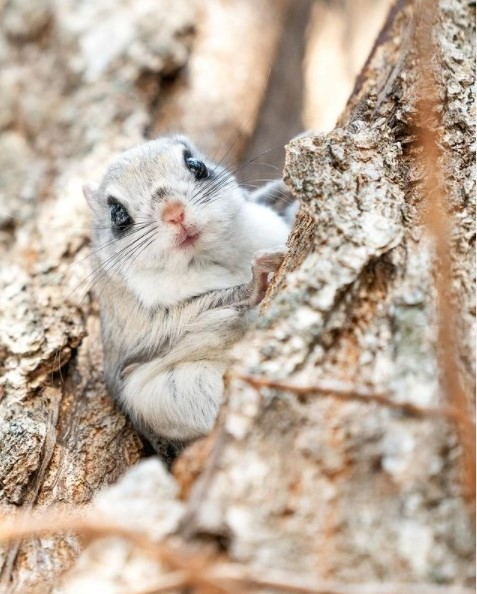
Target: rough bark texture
[312,484]
[350,490]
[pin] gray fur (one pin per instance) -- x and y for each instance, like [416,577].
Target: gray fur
[277,196]
[169,314]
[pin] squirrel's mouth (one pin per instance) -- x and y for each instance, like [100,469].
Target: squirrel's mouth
[187,237]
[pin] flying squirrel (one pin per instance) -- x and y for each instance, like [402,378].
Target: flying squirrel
[185,255]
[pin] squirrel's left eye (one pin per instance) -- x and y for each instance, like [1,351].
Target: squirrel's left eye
[198,168]
[119,215]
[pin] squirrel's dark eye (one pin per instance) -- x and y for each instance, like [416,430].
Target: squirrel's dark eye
[119,215]
[198,168]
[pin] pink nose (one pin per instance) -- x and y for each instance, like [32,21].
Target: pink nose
[173,213]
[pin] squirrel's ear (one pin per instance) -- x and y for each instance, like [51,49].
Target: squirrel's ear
[90,194]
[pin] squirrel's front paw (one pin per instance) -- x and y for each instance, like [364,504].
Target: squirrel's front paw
[264,263]
[269,260]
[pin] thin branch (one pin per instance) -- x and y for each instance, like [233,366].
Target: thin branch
[283,582]
[198,571]
[25,525]
[171,582]
[93,527]
[437,219]
[202,485]
[303,584]
[343,390]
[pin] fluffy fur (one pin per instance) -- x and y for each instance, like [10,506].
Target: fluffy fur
[171,312]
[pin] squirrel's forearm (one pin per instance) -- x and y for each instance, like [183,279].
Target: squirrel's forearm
[238,296]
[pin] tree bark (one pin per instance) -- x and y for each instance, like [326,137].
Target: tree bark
[334,460]
[341,488]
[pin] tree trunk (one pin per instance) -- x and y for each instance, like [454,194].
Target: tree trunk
[319,484]
[335,459]
[315,480]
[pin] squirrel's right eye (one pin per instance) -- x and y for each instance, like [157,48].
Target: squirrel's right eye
[119,216]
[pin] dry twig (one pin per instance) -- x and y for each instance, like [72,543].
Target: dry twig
[343,390]
[197,571]
[170,582]
[437,219]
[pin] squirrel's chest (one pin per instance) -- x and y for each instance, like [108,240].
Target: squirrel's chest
[167,289]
